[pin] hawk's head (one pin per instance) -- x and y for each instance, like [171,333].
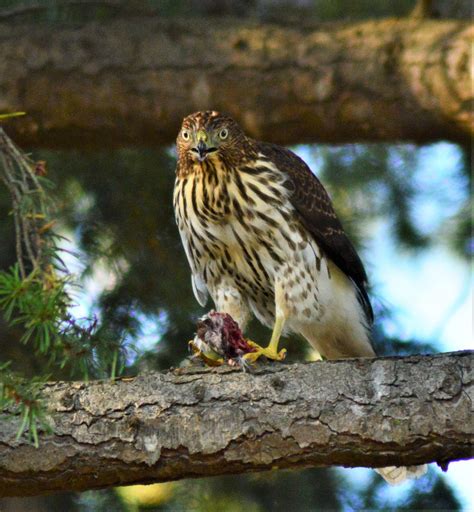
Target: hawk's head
[209,135]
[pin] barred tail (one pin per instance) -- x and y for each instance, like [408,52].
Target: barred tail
[396,475]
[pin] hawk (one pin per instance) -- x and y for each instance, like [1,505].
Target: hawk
[262,237]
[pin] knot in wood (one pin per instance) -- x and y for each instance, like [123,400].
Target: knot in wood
[277,383]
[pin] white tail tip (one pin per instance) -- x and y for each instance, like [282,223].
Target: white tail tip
[396,475]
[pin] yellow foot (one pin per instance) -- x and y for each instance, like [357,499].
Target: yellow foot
[269,352]
[209,358]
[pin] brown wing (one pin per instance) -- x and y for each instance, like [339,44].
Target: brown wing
[313,204]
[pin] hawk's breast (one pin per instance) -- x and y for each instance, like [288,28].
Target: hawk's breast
[239,226]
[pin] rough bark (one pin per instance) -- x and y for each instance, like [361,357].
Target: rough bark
[131,81]
[201,422]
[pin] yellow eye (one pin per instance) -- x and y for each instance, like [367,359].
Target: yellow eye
[185,134]
[223,133]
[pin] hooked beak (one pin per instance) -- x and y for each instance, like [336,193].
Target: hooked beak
[202,149]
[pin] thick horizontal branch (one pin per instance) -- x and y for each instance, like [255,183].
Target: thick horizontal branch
[201,422]
[131,81]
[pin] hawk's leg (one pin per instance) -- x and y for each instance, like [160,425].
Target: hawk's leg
[229,300]
[282,312]
[270,352]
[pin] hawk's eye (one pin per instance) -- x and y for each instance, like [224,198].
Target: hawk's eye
[185,134]
[223,133]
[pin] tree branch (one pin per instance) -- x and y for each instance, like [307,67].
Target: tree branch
[131,81]
[200,422]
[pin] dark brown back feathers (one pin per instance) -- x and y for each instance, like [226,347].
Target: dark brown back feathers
[313,204]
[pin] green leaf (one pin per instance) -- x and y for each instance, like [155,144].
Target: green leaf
[33,430]
[13,114]
[24,422]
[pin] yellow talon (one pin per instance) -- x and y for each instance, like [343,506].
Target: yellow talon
[269,352]
[209,358]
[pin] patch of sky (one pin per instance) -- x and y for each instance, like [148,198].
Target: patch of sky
[440,185]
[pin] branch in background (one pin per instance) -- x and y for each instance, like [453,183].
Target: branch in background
[197,422]
[383,80]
